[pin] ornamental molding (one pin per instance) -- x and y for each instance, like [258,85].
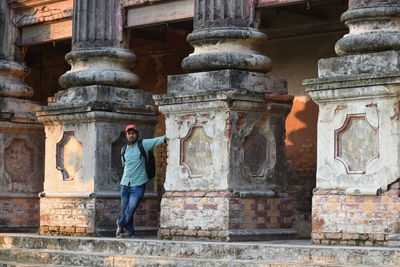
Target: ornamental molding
[195,151]
[19,160]
[356,143]
[69,156]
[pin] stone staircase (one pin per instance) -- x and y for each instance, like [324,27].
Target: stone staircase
[28,250]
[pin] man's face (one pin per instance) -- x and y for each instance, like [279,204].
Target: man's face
[132,136]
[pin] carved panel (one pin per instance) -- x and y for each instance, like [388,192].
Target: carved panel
[196,151]
[255,152]
[356,143]
[18,160]
[69,154]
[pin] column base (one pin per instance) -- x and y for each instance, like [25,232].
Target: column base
[19,213]
[340,219]
[86,215]
[225,216]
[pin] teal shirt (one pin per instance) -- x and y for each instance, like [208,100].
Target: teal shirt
[134,166]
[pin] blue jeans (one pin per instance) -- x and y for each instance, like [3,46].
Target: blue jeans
[130,199]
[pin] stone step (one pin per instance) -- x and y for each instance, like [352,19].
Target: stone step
[18,264]
[44,258]
[272,252]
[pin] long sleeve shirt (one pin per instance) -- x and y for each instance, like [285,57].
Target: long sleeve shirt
[134,165]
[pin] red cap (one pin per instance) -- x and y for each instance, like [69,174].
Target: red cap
[131,127]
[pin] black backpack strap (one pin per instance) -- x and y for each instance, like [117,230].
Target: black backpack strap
[142,152]
[123,149]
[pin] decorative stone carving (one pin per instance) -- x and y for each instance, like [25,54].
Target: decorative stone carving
[18,160]
[356,143]
[196,151]
[68,157]
[255,152]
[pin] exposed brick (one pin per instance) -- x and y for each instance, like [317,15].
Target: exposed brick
[317,235]
[190,233]
[190,206]
[80,229]
[203,233]
[164,232]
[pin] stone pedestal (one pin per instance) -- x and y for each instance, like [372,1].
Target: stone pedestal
[21,138]
[21,165]
[84,127]
[84,135]
[225,157]
[357,198]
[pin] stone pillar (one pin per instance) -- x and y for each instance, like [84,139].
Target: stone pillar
[84,127]
[21,137]
[357,199]
[225,121]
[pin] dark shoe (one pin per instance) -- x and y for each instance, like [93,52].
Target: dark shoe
[128,235]
[119,231]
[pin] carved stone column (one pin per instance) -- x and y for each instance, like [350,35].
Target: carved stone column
[225,121]
[21,137]
[84,127]
[357,200]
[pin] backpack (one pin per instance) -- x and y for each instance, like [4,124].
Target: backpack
[150,163]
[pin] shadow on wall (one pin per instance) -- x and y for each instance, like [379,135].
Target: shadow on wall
[301,153]
[301,131]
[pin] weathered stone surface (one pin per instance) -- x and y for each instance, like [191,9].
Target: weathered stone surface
[100,66]
[96,29]
[227,129]
[39,33]
[358,99]
[356,143]
[374,26]
[102,97]
[96,115]
[129,252]
[98,56]
[196,151]
[380,63]
[224,80]
[68,157]
[227,118]
[255,152]
[12,80]
[226,48]
[380,112]
[224,37]
[19,160]
[219,13]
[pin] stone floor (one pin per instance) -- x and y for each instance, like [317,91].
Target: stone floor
[29,250]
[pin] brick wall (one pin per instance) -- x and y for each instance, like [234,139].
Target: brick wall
[85,216]
[260,213]
[211,214]
[355,220]
[67,216]
[19,214]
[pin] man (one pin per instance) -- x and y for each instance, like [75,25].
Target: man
[134,178]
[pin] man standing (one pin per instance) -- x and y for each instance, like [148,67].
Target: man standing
[134,178]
